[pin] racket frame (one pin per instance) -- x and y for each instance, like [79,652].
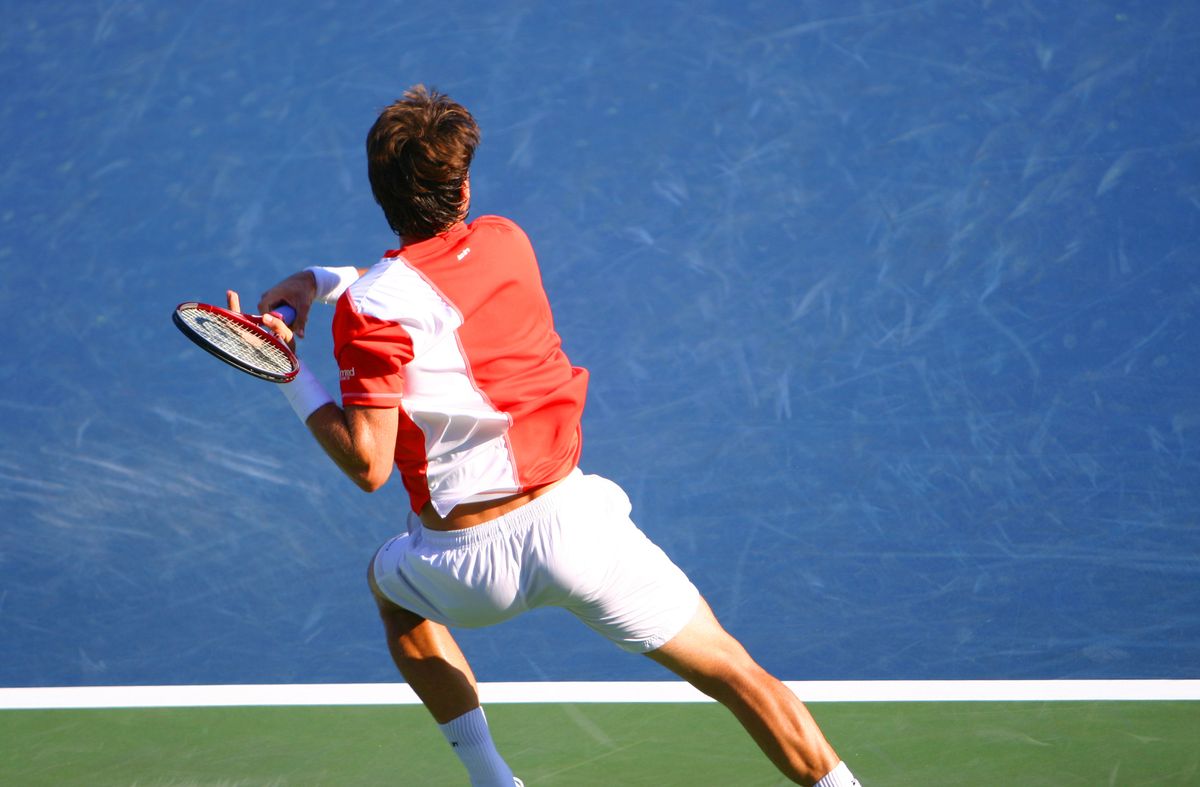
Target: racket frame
[253,324]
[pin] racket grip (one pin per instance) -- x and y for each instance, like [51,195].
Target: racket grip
[285,313]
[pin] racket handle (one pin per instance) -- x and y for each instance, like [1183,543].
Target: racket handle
[285,313]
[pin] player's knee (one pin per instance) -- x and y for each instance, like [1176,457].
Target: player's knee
[734,673]
[737,678]
[724,674]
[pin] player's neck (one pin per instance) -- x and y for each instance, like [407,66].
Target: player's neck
[407,240]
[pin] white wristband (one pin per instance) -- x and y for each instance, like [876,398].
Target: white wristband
[305,393]
[332,282]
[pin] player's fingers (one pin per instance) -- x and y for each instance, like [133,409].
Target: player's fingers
[235,301]
[296,291]
[274,298]
[300,321]
[280,328]
[277,325]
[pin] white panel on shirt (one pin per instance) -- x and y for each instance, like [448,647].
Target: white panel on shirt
[465,436]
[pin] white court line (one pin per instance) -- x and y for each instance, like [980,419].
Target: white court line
[581,692]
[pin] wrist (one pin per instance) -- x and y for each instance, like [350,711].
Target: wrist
[332,282]
[305,393]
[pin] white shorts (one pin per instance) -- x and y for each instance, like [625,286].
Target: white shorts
[574,547]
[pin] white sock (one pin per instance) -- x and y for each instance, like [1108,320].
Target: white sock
[472,742]
[839,777]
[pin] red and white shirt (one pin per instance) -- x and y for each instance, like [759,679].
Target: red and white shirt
[456,332]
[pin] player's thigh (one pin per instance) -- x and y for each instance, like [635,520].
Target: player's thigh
[400,623]
[592,560]
[706,655]
[413,637]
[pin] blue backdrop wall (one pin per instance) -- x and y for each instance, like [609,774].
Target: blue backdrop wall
[890,309]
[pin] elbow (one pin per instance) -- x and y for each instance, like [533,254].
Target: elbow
[370,478]
[368,485]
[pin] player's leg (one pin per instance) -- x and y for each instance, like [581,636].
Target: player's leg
[709,658]
[430,661]
[437,671]
[596,563]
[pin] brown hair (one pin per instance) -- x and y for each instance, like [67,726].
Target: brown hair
[418,155]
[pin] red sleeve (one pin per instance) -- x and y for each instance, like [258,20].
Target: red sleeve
[370,354]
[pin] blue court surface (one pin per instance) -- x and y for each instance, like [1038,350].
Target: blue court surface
[892,313]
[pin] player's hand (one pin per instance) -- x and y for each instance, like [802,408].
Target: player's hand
[298,291]
[281,329]
[278,326]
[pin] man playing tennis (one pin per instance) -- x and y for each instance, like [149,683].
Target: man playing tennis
[451,372]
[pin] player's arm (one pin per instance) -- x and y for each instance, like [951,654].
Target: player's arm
[303,287]
[359,440]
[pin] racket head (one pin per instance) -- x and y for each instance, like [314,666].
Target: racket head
[239,340]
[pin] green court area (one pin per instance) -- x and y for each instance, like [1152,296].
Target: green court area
[918,743]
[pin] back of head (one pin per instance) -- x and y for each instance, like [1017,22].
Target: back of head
[418,156]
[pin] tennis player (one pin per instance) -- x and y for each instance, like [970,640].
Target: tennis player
[452,373]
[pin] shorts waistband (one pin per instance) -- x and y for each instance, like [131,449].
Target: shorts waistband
[505,523]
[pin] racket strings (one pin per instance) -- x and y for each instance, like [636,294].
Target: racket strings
[238,341]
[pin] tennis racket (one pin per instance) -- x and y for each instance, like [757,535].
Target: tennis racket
[239,340]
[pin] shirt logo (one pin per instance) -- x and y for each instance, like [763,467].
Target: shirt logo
[347,373]
[464,253]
